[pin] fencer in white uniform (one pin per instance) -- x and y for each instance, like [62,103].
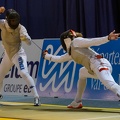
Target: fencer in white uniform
[94,65]
[12,35]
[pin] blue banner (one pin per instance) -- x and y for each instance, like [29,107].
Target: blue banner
[60,79]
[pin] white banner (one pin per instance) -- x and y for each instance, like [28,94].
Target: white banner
[13,84]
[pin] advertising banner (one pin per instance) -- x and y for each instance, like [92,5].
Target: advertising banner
[60,79]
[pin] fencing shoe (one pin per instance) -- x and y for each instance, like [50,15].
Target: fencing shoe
[76,105]
[1,96]
[36,101]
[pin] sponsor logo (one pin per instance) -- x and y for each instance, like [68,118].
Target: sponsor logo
[13,73]
[21,65]
[56,76]
[16,88]
[32,67]
[13,88]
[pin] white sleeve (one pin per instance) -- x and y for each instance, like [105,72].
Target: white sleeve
[88,42]
[24,35]
[58,59]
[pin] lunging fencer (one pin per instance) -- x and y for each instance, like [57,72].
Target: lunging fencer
[12,35]
[94,65]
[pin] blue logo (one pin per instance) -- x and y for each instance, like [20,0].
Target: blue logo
[56,77]
[20,60]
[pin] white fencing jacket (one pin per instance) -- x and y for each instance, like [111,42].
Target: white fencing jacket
[81,52]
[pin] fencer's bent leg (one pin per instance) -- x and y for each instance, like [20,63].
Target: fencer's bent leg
[83,75]
[5,66]
[21,62]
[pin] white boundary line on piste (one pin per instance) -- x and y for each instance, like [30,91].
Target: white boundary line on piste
[97,118]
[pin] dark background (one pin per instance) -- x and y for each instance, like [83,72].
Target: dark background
[49,18]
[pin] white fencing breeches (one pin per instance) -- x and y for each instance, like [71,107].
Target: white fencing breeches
[20,61]
[102,69]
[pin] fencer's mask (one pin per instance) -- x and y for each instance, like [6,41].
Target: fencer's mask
[13,18]
[66,38]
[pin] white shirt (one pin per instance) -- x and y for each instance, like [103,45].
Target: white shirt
[11,39]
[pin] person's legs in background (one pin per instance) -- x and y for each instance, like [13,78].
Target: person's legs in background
[21,62]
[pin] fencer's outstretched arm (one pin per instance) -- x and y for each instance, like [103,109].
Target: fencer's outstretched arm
[24,35]
[54,58]
[88,42]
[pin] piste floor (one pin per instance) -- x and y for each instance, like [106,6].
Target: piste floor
[21,108]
